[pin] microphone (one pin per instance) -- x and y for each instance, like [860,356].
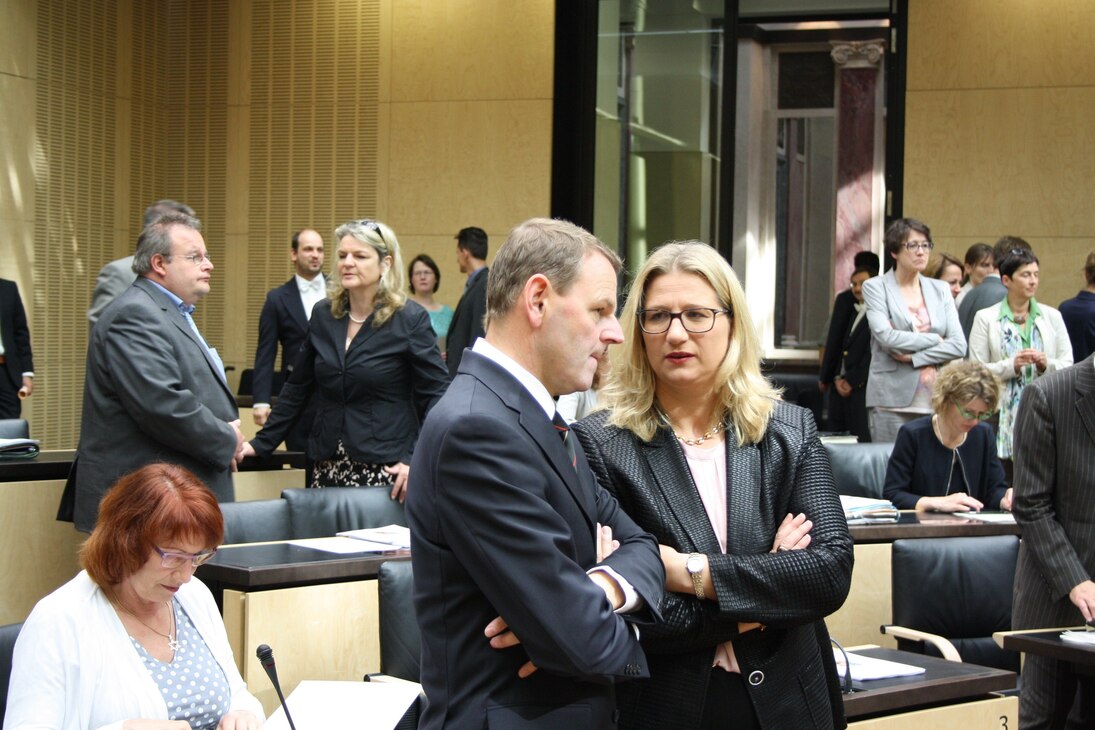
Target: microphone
[266,657]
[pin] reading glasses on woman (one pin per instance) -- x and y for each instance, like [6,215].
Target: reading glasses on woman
[696,320]
[171,559]
[973,415]
[919,245]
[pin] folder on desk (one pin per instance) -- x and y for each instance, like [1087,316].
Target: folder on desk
[860,510]
[18,449]
[865,668]
[397,536]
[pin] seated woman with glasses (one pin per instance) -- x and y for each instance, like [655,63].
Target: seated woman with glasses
[371,366]
[914,330]
[134,641]
[734,483]
[946,462]
[1019,339]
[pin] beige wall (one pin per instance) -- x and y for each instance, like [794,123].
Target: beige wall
[999,134]
[266,116]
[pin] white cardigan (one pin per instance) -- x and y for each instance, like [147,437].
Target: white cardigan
[76,669]
[985,341]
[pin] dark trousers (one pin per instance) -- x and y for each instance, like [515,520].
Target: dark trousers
[727,703]
[849,414]
[10,405]
[1050,690]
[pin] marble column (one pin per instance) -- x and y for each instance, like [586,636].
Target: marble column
[860,197]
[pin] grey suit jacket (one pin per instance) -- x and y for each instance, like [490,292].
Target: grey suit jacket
[114,278]
[789,665]
[892,384]
[1055,495]
[151,393]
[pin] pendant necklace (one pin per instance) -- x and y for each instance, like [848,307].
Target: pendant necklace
[708,434]
[172,638]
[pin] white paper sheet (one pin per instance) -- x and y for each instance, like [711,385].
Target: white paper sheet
[342,545]
[866,668]
[1004,518]
[317,705]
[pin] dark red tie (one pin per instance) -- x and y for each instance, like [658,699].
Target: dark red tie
[564,433]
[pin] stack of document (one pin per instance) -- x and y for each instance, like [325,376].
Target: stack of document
[866,668]
[395,536]
[18,448]
[861,510]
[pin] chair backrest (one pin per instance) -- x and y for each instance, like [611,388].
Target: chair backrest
[14,428]
[958,588]
[257,520]
[400,640]
[859,469]
[323,512]
[8,635]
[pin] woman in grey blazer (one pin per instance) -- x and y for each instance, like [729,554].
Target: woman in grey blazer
[914,331]
[735,485]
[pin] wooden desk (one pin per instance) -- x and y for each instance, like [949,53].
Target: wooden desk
[911,524]
[317,610]
[943,682]
[1048,643]
[869,601]
[56,465]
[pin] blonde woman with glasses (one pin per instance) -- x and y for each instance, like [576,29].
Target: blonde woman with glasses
[946,462]
[371,365]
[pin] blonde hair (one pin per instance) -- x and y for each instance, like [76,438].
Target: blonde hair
[745,397]
[962,381]
[390,296]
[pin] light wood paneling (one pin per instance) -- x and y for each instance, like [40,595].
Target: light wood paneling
[977,44]
[17,127]
[324,632]
[18,34]
[869,601]
[996,713]
[485,164]
[443,51]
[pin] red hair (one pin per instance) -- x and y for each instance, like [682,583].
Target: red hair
[152,506]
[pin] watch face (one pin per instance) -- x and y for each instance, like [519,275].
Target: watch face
[694,564]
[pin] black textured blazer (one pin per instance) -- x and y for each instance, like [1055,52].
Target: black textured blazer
[789,668]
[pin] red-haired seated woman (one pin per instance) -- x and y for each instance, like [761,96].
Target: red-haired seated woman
[134,642]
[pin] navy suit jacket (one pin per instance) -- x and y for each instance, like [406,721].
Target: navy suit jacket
[372,397]
[16,334]
[467,320]
[282,322]
[503,524]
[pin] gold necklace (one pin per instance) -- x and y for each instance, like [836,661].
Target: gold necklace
[172,638]
[709,433]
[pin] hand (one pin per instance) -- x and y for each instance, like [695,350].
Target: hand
[1083,597]
[902,357]
[793,533]
[843,387]
[605,544]
[1005,501]
[502,638]
[142,724]
[28,387]
[400,471]
[957,502]
[239,720]
[260,414]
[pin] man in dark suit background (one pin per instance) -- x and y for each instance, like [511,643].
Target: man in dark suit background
[16,359]
[154,389]
[506,517]
[467,320]
[1054,504]
[284,321]
[116,276]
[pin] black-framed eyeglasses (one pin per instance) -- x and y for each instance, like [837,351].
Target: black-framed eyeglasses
[919,245]
[172,560]
[696,320]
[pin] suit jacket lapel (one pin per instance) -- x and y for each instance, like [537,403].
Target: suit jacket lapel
[1085,392]
[293,304]
[665,459]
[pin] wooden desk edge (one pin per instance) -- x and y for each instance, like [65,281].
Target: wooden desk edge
[999,636]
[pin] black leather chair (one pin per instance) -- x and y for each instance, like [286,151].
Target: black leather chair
[400,640]
[8,635]
[951,594]
[859,470]
[257,520]
[323,512]
[14,428]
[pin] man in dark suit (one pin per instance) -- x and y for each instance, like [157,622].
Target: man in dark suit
[16,360]
[116,276]
[284,320]
[467,320]
[154,389]
[1054,504]
[511,572]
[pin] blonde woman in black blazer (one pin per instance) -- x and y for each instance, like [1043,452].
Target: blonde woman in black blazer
[735,485]
[371,364]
